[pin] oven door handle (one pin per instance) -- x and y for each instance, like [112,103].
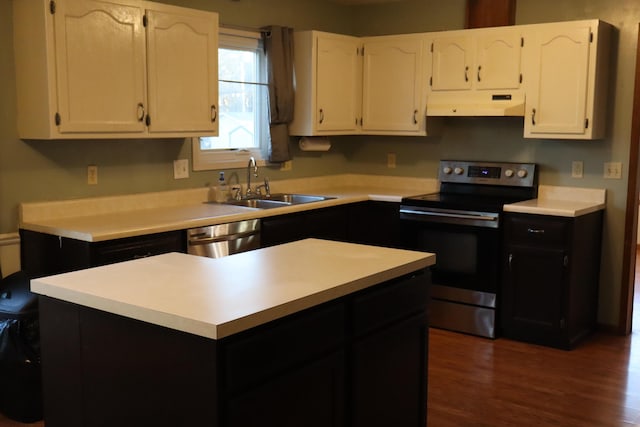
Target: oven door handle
[450,215]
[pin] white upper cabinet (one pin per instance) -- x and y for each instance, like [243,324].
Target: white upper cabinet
[484,59]
[97,69]
[342,91]
[328,84]
[182,58]
[393,98]
[106,42]
[498,59]
[453,58]
[567,78]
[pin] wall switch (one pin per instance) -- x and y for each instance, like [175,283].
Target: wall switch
[613,170]
[576,169]
[391,160]
[92,175]
[286,166]
[181,168]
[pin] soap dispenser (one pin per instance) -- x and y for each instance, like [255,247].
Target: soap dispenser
[222,189]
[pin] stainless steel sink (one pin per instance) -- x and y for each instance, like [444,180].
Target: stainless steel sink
[258,203]
[296,199]
[277,200]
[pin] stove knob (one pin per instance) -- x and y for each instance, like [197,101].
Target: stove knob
[508,173]
[522,173]
[447,170]
[458,171]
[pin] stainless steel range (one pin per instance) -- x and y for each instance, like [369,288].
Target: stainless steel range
[462,225]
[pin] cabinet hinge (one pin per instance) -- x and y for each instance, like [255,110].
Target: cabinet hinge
[521,41]
[57,119]
[147,120]
[565,261]
[52,7]
[144,20]
[586,123]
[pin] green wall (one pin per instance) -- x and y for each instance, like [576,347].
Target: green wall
[40,170]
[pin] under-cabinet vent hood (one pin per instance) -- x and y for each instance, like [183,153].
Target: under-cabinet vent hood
[475,104]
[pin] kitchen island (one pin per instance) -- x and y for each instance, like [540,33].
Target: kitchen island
[314,333]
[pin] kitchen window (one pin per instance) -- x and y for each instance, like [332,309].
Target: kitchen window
[243,105]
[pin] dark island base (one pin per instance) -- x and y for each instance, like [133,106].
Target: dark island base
[360,360]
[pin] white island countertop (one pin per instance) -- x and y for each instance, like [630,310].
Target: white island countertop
[562,201]
[215,298]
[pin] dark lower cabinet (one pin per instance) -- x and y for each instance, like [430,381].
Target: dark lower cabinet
[360,360]
[326,223]
[46,254]
[550,279]
[375,223]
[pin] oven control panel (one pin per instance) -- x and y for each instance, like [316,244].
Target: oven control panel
[493,173]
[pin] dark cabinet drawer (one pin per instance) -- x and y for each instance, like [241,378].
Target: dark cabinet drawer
[385,304]
[533,230]
[266,351]
[137,247]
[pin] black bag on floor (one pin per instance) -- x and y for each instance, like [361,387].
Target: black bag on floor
[20,373]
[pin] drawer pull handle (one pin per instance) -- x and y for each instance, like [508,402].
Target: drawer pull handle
[535,230]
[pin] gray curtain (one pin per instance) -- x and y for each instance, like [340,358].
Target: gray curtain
[278,45]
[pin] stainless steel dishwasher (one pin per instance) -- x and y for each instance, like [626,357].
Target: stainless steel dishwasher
[220,240]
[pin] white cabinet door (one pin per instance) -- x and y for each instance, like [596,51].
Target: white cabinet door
[338,85]
[557,95]
[452,62]
[328,86]
[480,59]
[182,55]
[498,58]
[100,67]
[393,82]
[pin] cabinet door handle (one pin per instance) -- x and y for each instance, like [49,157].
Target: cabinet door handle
[479,68]
[533,116]
[535,230]
[321,116]
[415,117]
[510,260]
[140,111]
[214,114]
[466,73]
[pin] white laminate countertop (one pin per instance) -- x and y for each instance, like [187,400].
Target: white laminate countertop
[562,201]
[218,297]
[106,218]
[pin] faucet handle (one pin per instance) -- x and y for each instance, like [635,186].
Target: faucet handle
[238,192]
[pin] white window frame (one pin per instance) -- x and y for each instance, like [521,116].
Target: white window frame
[234,158]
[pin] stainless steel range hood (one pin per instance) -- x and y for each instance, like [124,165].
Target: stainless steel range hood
[472,104]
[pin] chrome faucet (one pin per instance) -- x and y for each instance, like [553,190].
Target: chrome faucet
[252,163]
[267,188]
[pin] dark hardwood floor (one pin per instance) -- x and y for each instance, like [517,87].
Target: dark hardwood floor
[485,383]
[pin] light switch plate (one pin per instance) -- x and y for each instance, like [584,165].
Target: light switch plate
[181,168]
[613,170]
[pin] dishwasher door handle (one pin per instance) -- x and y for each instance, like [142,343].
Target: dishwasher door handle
[225,238]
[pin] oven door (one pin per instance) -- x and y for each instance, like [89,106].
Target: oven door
[465,276]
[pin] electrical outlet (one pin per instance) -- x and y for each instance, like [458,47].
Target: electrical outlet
[391,160]
[613,170]
[286,166]
[181,169]
[92,175]
[577,169]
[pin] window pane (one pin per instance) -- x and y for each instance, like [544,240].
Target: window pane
[237,65]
